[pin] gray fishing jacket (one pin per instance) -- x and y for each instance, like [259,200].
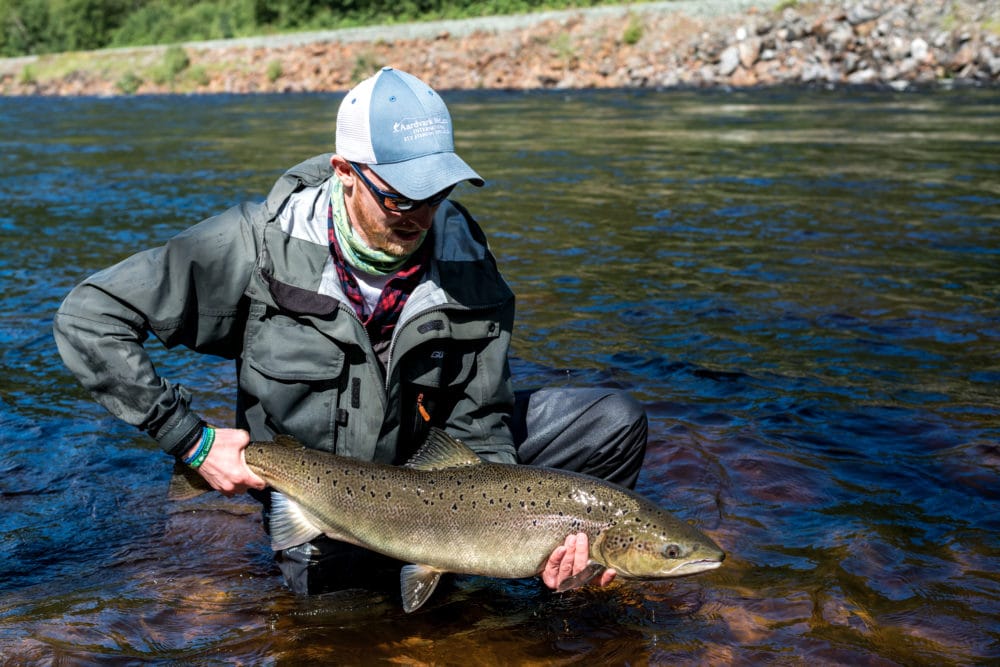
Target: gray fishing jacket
[257,284]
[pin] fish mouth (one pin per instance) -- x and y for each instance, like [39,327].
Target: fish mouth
[695,566]
[683,570]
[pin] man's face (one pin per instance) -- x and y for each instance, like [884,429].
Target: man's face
[397,233]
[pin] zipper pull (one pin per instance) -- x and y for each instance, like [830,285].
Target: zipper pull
[421,409]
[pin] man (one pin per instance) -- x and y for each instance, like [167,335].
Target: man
[361,307]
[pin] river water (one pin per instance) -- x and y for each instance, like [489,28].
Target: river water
[802,287]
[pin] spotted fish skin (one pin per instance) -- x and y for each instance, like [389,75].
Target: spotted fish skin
[449,511]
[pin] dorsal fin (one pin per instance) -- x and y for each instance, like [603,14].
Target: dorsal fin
[441,451]
[288,441]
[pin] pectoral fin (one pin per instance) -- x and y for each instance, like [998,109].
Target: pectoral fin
[290,525]
[417,583]
[583,577]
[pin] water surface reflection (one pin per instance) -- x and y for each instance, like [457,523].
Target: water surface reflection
[801,287]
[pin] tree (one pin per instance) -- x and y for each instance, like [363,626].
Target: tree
[87,24]
[24,27]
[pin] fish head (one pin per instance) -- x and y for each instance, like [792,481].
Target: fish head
[653,544]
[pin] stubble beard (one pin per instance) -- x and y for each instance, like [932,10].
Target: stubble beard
[378,235]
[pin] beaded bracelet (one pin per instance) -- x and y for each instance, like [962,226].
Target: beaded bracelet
[204,446]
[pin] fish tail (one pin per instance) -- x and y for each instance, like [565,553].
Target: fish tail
[186,483]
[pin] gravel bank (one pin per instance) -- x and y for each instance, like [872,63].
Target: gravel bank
[732,43]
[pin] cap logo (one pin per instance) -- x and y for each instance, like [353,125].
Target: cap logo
[414,129]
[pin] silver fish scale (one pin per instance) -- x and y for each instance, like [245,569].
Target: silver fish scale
[488,519]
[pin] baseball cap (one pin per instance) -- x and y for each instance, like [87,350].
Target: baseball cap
[398,126]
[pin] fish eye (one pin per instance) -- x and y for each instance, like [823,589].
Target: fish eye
[672,551]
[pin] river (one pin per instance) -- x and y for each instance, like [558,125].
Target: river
[801,286]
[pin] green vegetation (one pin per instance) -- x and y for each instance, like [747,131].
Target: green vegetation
[786,4]
[32,27]
[633,31]
[129,83]
[274,70]
[364,64]
[562,44]
[175,61]
[199,75]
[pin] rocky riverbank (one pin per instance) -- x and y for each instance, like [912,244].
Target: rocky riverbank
[893,43]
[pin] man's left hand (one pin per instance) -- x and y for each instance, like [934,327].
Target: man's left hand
[570,559]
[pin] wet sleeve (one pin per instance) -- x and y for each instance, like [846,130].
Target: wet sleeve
[188,292]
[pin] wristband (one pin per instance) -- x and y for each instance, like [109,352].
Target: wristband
[204,446]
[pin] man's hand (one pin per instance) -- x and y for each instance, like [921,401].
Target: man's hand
[570,559]
[225,468]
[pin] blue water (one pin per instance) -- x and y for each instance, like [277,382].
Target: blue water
[802,287]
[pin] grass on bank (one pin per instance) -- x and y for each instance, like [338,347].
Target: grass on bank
[169,67]
[36,27]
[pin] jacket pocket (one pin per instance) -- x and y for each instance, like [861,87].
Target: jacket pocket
[285,349]
[296,375]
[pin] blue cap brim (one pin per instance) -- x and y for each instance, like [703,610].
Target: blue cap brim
[427,175]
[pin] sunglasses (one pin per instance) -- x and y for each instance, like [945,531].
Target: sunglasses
[395,202]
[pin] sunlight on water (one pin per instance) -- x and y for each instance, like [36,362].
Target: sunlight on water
[801,287]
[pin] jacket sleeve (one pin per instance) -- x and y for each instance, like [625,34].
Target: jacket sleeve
[188,292]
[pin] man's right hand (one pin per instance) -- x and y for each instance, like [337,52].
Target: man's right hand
[225,468]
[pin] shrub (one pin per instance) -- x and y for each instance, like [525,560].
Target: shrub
[274,70]
[365,64]
[175,60]
[199,75]
[129,83]
[633,31]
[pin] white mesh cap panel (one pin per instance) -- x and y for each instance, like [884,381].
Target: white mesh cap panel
[354,138]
